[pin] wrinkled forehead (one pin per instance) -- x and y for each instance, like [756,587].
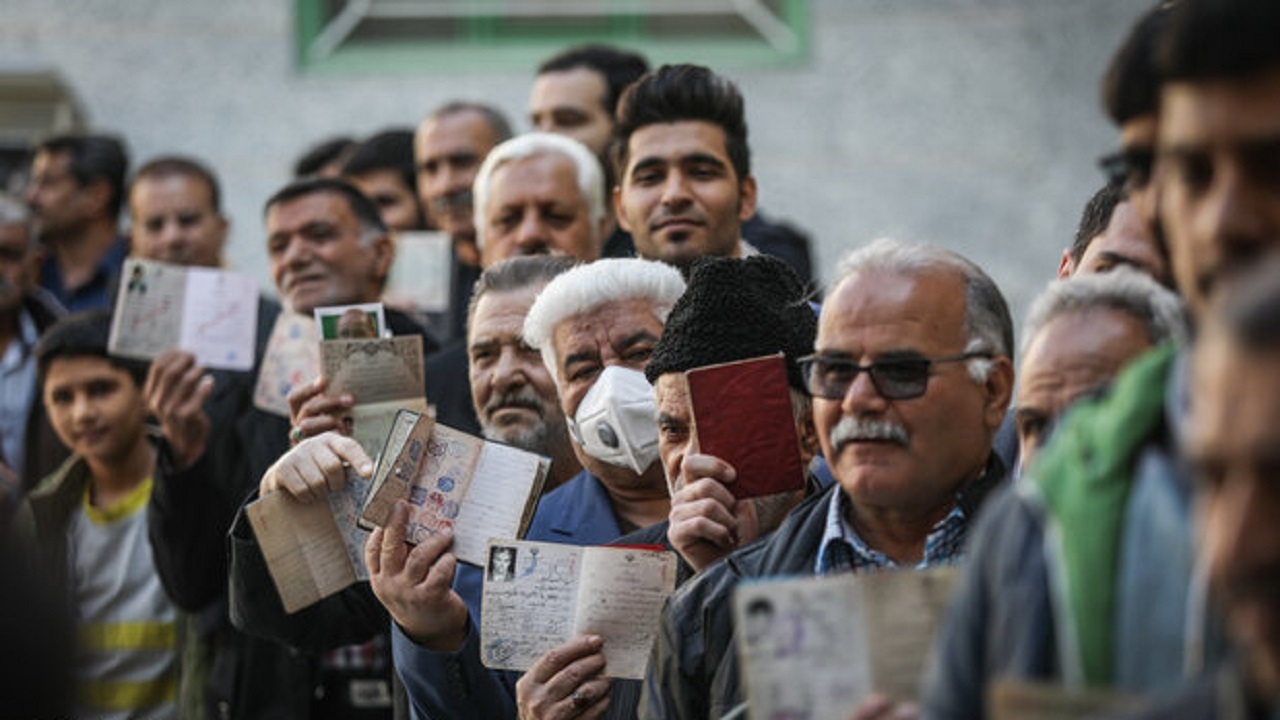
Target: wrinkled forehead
[922,309]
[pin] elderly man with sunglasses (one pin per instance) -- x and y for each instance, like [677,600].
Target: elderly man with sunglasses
[911,377]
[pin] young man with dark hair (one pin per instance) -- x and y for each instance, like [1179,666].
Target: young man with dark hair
[683,166]
[1110,236]
[76,191]
[684,169]
[88,522]
[381,167]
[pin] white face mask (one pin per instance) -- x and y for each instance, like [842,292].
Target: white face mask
[616,420]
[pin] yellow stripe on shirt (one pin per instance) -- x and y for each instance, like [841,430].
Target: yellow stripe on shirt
[129,636]
[125,695]
[122,508]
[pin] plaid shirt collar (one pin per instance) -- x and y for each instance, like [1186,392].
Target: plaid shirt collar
[842,550]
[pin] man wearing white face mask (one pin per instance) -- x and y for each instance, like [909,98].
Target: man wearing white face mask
[596,326]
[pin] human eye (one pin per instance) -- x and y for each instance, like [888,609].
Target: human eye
[1193,170]
[569,119]
[672,430]
[189,219]
[60,396]
[102,388]
[154,225]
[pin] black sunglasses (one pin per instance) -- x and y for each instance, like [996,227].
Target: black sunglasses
[1130,168]
[830,378]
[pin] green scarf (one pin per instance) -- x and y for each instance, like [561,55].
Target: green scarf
[1083,477]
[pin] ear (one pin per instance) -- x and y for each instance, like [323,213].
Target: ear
[98,194]
[617,208]
[808,434]
[747,198]
[1066,266]
[384,252]
[999,391]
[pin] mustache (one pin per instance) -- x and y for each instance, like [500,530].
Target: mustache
[852,429]
[524,397]
[460,200]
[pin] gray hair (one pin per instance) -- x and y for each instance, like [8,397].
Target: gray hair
[589,173]
[517,273]
[587,287]
[1124,290]
[988,324]
[15,212]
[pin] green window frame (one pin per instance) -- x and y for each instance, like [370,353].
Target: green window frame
[358,36]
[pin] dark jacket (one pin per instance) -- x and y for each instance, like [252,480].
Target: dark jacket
[693,671]
[44,452]
[190,514]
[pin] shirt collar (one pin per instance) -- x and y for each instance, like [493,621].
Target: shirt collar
[842,549]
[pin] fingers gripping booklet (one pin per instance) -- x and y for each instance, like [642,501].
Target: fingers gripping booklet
[476,488]
[540,595]
[479,489]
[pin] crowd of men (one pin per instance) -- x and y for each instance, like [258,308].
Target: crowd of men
[1109,487]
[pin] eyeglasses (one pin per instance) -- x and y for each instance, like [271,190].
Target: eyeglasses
[1130,168]
[831,378]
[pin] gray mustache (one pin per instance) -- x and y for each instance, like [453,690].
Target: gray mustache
[460,200]
[851,429]
[525,397]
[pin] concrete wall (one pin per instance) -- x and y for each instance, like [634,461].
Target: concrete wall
[971,123]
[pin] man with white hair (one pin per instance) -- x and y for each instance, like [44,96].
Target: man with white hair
[539,193]
[910,378]
[596,327]
[1078,335]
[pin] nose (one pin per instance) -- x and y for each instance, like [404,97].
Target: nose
[83,409]
[508,372]
[531,235]
[171,233]
[675,190]
[296,253]
[862,397]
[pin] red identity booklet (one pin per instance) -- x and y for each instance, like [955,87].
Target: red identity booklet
[742,414]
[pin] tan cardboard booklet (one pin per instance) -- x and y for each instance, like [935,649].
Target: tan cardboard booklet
[540,595]
[1015,700]
[478,489]
[211,313]
[817,647]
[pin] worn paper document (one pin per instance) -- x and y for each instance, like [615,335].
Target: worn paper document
[1013,700]
[475,488]
[292,358]
[817,647]
[422,274]
[313,550]
[211,313]
[540,595]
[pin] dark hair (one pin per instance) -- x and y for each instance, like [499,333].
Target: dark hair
[325,152]
[362,207]
[1095,218]
[1131,85]
[518,273]
[673,93]
[177,165]
[619,67]
[93,158]
[82,335]
[498,124]
[1211,39]
[387,150]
